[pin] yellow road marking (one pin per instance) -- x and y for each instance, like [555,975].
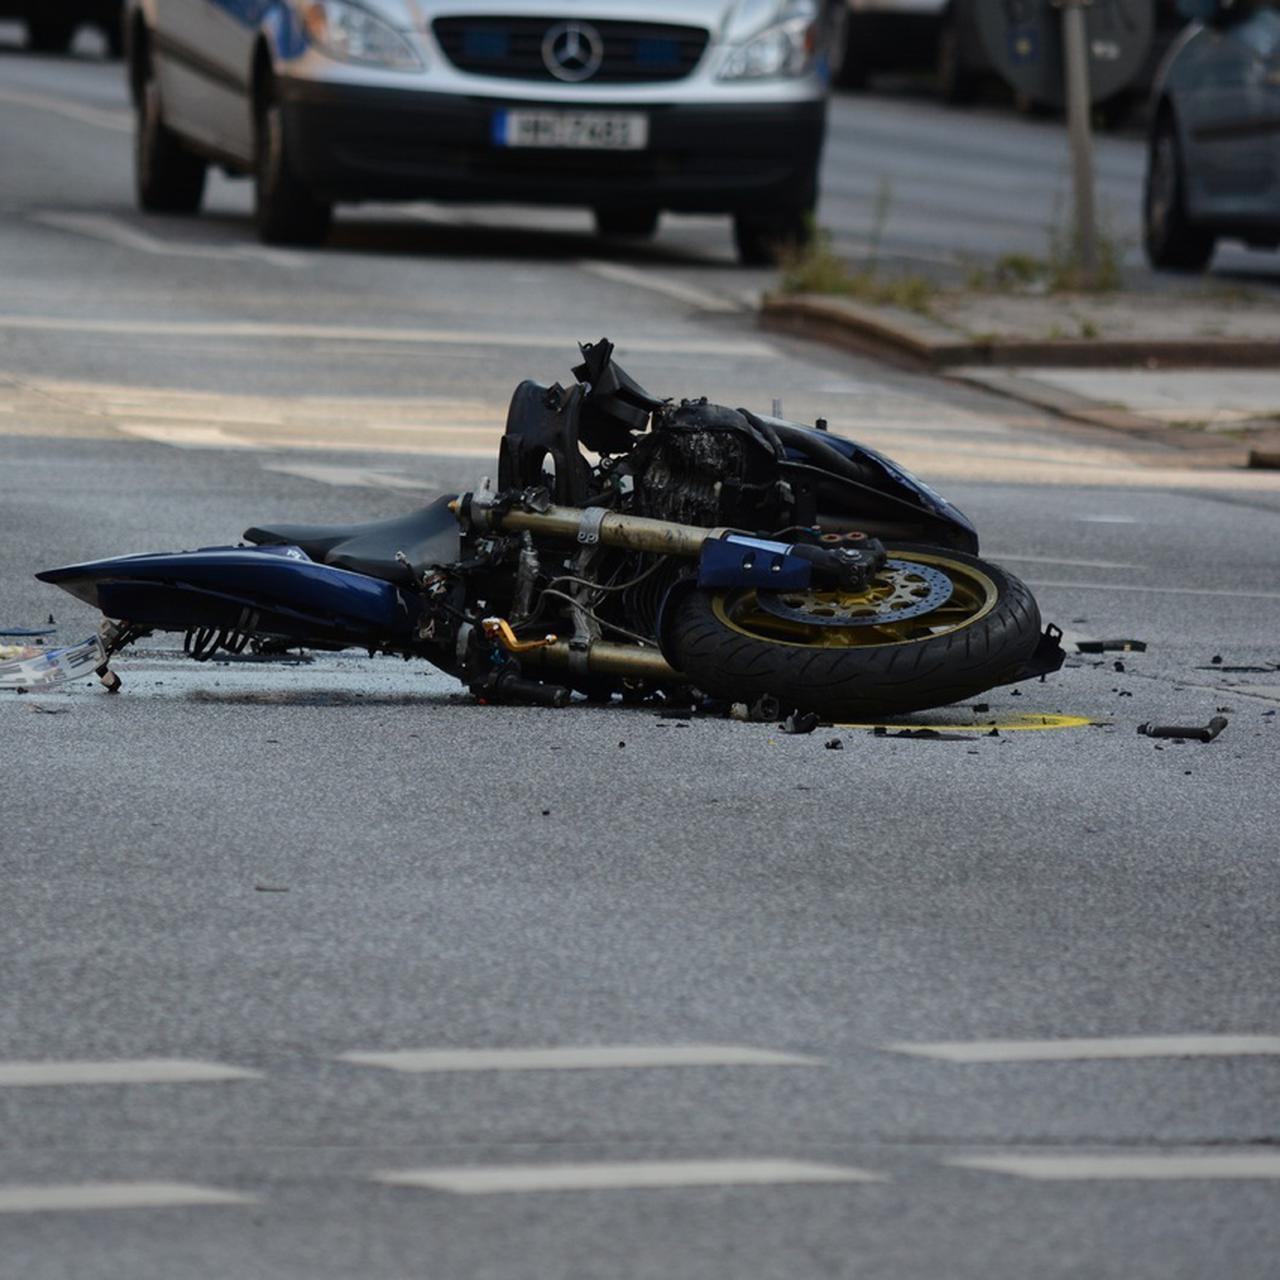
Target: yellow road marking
[1022,721]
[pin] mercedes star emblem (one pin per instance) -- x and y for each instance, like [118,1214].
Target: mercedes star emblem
[572,51]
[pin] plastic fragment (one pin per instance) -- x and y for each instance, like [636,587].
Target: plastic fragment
[799,722]
[27,633]
[1184,733]
[834,744]
[1111,646]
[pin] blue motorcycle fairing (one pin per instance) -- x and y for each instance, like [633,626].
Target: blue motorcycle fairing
[894,478]
[215,586]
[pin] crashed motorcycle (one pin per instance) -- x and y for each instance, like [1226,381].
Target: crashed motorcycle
[632,545]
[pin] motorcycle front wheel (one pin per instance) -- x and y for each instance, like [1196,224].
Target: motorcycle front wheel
[936,626]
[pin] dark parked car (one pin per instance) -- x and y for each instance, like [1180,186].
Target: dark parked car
[51,24]
[1213,167]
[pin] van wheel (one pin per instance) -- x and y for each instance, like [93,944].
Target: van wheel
[167,177]
[958,83]
[1171,240]
[634,224]
[285,210]
[49,35]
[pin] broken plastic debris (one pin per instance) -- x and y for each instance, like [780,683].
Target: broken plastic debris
[27,633]
[44,668]
[800,722]
[880,731]
[1217,665]
[1194,733]
[1111,646]
[834,744]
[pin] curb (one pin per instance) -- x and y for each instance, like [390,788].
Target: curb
[916,341]
[888,330]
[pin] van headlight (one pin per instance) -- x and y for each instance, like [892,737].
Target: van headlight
[351,33]
[787,47]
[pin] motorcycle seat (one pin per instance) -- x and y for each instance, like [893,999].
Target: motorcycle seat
[428,538]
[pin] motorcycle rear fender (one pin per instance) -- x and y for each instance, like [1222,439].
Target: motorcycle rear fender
[274,591]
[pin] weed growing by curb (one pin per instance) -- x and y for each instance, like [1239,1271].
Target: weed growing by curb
[815,267]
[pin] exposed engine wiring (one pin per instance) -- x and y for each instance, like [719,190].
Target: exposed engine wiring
[612,626]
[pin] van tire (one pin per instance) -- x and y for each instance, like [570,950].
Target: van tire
[168,178]
[285,210]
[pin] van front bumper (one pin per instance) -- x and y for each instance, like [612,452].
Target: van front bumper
[355,143]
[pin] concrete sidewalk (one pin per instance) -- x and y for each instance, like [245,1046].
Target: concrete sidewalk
[1197,368]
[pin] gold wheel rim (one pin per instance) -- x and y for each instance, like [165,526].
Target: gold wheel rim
[973,596]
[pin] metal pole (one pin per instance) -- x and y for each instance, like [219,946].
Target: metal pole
[1076,59]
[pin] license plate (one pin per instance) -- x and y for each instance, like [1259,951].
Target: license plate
[579,130]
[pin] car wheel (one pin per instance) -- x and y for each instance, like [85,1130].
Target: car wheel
[1171,240]
[285,210]
[852,67]
[957,83]
[167,177]
[49,35]
[637,224]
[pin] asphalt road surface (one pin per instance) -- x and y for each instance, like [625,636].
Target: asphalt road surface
[321,970]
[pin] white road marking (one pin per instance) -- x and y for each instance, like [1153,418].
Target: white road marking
[587,1057]
[118,121]
[501,1179]
[654,283]
[127,1071]
[183,436]
[351,477]
[1075,564]
[1107,519]
[1193,1046]
[113,1195]
[101,226]
[1162,1167]
[1161,591]
[366,333]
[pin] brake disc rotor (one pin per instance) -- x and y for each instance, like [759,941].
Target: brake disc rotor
[902,590]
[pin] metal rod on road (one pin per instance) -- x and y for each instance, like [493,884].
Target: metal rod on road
[1076,69]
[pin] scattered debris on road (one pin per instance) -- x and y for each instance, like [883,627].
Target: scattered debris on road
[932,734]
[800,722]
[1266,669]
[1111,646]
[1184,733]
[27,633]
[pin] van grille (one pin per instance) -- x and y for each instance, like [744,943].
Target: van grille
[512,47]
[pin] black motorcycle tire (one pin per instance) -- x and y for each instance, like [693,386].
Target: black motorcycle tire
[851,684]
